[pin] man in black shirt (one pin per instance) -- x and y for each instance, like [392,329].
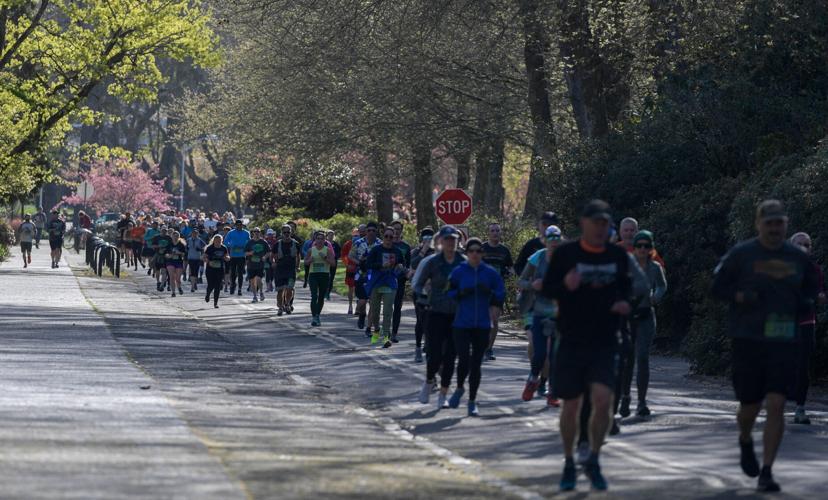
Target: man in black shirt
[56,229]
[499,257]
[545,220]
[592,282]
[768,284]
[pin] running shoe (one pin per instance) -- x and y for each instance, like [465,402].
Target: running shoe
[361,322]
[394,339]
[490,356]
[261,296]
[582,453]
[542,391]
[240,292]
[200,280]
[149,272]
[441,401]
[368,331]
[592,470]
[530,388]
[552,401]
[375,336]
[643,410]
[614,429]
[624,410]
[207,299]
[454,400]
[473,409]
[215,306]
[173,294]
[192,288]
[766,483]
[180,291]
[418,354]
[386,342]
[800,417]
[350,310]
[289,310]
[425,392]
[255,299]
[280,312]
[569,478]
[750,466]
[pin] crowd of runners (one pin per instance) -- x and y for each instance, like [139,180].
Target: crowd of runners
[587,305]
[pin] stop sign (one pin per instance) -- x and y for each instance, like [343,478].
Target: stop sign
[453,206]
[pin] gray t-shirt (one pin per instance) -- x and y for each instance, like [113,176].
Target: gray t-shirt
[27,232]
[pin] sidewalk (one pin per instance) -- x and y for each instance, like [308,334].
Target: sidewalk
[79,420]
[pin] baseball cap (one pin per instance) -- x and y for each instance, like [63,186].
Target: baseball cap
[550,217]
[270,231]
[473,243]
[643,235]
[771,210]
[449,232]
[427,233]
[597,209]
[239,222]
[553,233]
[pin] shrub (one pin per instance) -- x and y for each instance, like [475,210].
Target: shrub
[6,239]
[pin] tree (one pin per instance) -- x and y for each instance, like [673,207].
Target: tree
[122,186]
[55,53]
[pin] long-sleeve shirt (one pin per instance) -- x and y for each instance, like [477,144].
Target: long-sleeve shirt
[475,289]
[656,286]
[779,286]
[235,241]
[606,278]
[436,270]
[528,249]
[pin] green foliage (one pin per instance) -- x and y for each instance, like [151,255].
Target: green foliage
[6,239]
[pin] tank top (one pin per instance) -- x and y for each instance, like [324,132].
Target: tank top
[319,260]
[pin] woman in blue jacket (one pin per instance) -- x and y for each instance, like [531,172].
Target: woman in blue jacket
[479,291]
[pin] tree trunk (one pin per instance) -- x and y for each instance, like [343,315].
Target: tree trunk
[383,187]
[481,178]
[488,183]
[421,160]
[584,70]
[543,147]
[463,159]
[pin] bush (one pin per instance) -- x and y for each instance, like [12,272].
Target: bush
[6,239]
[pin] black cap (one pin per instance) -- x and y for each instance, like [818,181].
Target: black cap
[473,242]
[550,217]
[371,225]
[771,210]
[427,232]
[449,232]
[597,209]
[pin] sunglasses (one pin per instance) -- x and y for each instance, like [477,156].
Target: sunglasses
[389,236]
[285,232]
[370,230]
[645,245]
[474,250]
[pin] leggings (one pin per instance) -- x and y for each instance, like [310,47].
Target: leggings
[386,300]
[543,345]
[475,340]
[642,331]
[421,325]
[331,281]
[804,351]
[624,363]
[214,279]
[440,347]
[236,272]
[318,283]
[398,302]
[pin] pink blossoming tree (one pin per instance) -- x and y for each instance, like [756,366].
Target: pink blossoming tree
[122,186]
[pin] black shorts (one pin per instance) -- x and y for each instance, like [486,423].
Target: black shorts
[579,364]
[762,367]
[194,264]
[255,272]
[148,252]
[55,243]
[136,247]
[284,280]
[359,290]
[160,262]
[26,246]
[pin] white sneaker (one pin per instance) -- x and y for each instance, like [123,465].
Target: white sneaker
[582,453]
[425,392]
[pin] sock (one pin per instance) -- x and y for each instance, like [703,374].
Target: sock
[766,471]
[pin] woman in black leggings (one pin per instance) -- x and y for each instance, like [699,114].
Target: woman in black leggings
[216,256]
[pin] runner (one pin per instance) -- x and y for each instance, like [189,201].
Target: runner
[499,257]
[402,277]
[40,219]
[385,263]
[330,236]
[286,264]
[122,227]
[161,243]
[174,260]
[592,282]
[479,291]
[236,240]
[126,243]
[271,239]
[295,236]
[318,260]
[350,271]
[807,337]
[642,325]
[359,254]
[435,270]
[768,284]
[418,254]
[545,220]
[195,251]
[216,256]
[28,232]
[56,229]
[136,235]
[544,314]
[149,250]
[257,251]
[225,230]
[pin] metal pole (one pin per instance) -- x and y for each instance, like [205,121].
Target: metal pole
[181,193]
[41,197]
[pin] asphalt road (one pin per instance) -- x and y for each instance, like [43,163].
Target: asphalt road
[113,390]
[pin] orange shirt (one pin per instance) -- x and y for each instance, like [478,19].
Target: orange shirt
[137,233]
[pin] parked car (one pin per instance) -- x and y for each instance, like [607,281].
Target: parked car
[107,219]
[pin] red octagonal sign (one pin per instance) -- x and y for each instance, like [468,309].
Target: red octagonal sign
[453,206]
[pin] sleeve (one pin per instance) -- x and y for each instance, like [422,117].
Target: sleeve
[660,284]
[525,279]
[640,285]
[498,291]
[725,278]
[421,276]
[453,291]
[509,263]
[522,258]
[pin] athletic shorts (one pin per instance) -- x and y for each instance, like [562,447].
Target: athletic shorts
[359,290]
[136,247]
[148,252]
[159,262]
[761,367]
[284,280]
[255,272]
[55,243]
[194,265]
[26,246]
[176,264]
[350,279]
[581,363]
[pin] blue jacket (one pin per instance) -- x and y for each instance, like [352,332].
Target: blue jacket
[475,290]
[235,242]
[378,274]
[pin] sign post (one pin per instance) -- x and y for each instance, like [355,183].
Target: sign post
[453,206]
[86,190]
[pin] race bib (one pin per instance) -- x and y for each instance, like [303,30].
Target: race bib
[317,267]
[779,327]
[255,258]
[215,264]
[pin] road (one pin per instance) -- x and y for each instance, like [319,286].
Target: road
[114,390]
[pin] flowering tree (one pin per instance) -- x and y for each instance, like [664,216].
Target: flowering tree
[122,186]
